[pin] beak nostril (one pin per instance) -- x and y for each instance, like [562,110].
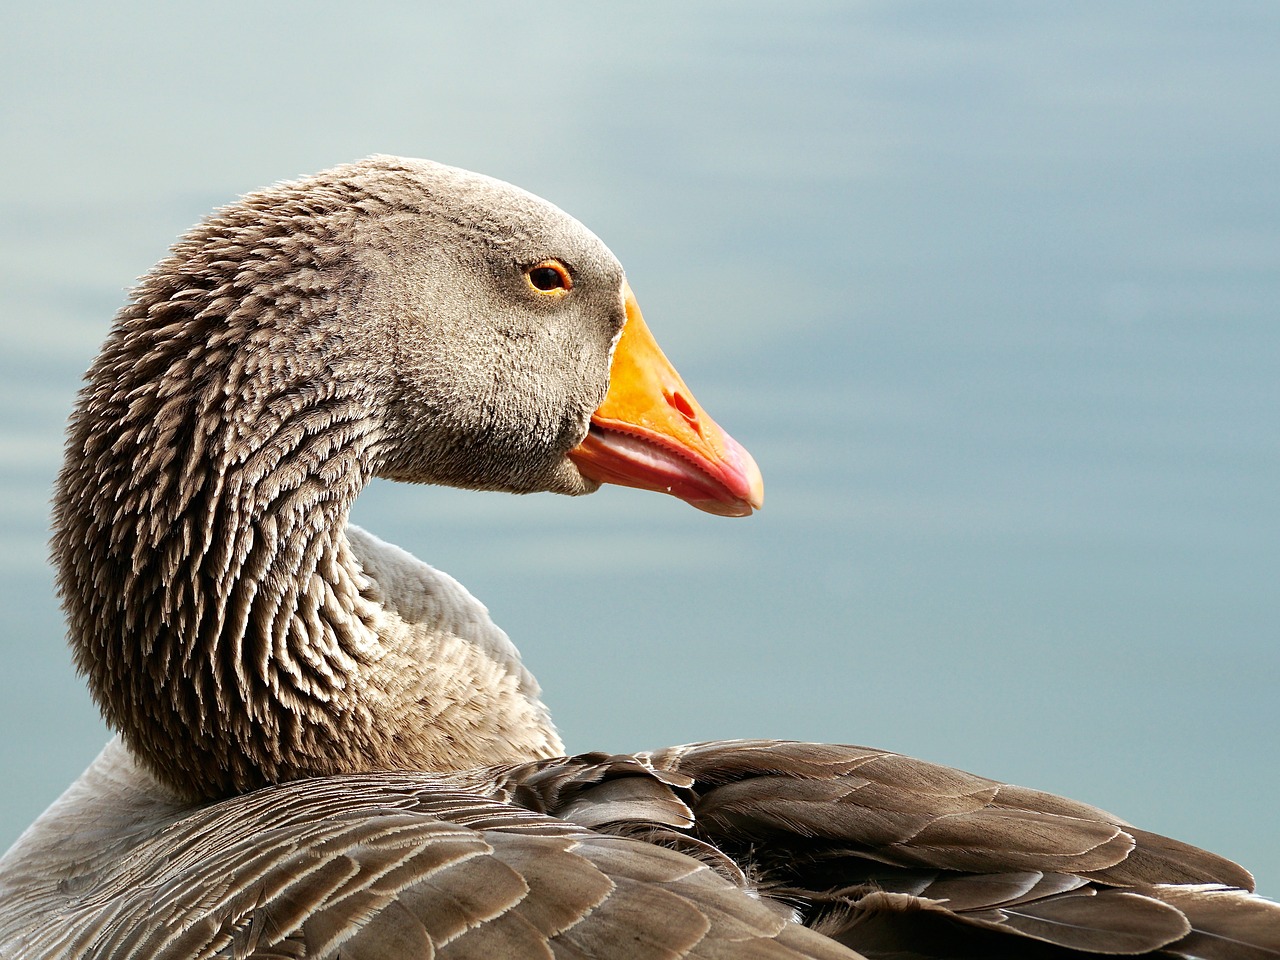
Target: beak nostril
[683,407]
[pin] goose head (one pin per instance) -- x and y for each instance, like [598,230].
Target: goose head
[389,318]
[502,346]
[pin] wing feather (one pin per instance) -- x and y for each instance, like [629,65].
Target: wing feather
[708,852]
[892,855]
[398,866]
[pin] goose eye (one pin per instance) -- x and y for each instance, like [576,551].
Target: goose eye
[550,278]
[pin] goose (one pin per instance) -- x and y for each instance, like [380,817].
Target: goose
[325,748]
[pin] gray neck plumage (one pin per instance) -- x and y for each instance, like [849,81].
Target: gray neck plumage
[224,621]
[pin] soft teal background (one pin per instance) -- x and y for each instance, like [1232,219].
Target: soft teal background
[991,290]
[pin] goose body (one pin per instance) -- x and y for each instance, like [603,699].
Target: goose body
[327,749]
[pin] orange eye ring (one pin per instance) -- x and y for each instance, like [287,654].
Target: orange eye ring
[549,278]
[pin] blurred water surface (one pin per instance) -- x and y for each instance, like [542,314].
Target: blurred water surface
[989,289]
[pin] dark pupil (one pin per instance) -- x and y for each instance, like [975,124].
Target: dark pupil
[545,278]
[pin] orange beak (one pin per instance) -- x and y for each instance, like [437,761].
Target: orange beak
[650,433]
